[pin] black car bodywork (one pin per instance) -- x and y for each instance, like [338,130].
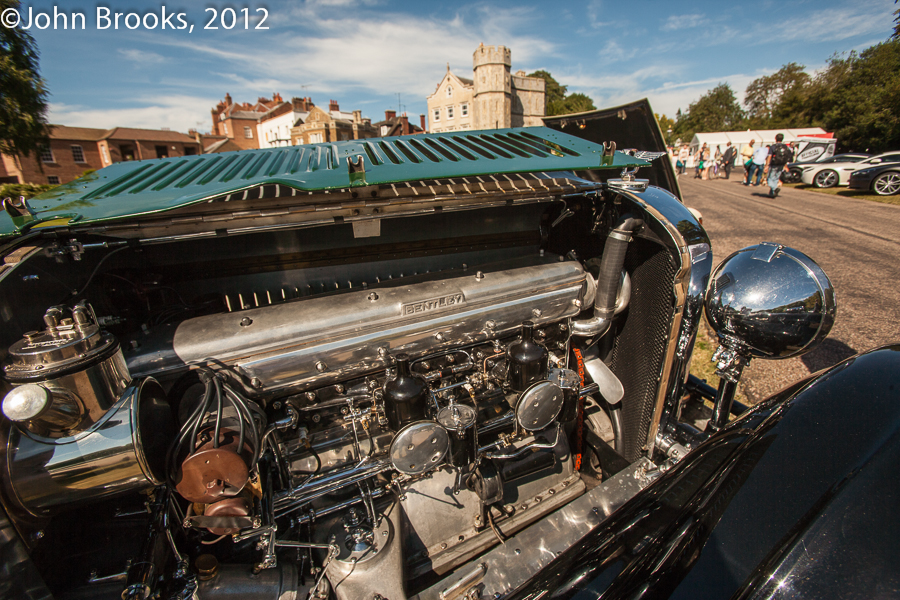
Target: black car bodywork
[883,179]
[764,509]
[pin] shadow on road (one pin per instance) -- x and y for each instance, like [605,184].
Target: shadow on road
[829,353]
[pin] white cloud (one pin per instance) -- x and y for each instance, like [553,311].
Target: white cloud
[178,113]
[834,24]
[141,56]
[676,22]
[595,13]
[379,53]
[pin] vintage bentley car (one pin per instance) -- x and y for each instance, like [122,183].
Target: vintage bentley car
[440,366]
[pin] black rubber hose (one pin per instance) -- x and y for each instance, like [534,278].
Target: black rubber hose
[219,403]
[240,421]
[611,265]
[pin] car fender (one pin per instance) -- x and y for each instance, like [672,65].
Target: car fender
[728,515]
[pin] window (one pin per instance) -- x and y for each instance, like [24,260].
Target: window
[449,91]
[190,151]
[315,138]
[248,133]
[437,115]
[53,179]
[47,155]
[891,158]
[464,110]
[162,152]
[78,154]
[449,112]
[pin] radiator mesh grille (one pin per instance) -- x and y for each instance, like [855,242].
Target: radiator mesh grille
[638,353]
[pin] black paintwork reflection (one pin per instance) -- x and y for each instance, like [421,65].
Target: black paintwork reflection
[704,527]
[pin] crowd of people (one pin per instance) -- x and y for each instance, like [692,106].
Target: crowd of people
[769,160]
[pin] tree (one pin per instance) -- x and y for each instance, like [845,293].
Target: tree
[716,110]
[556,100]
[764,94]
[666,125]
[896,35]
[858,98]
[574,103]
[23,95]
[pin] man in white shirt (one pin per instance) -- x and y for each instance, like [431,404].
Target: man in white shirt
[758,165]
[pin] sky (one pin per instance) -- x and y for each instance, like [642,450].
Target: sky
[377,55]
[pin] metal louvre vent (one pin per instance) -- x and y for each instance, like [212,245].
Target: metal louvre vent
[544,184]
[245,166]
[640,347]
[140,188]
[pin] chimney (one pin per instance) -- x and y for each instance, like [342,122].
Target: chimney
[227,99]
[357,116]
[404,125]
[389,114]
[299,104]
[422,122]
[333,105]
[276,97]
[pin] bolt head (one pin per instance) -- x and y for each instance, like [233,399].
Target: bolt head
[372,297]
[321,367]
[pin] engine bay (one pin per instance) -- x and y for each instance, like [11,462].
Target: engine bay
[311,416]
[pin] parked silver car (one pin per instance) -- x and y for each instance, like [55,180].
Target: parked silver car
[827,175]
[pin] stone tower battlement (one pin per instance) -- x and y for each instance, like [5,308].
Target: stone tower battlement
[491,55]
[493,98]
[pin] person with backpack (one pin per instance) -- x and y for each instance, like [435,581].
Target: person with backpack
[780,155]
[728,159]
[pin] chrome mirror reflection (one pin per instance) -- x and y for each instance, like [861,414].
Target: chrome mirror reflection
[765,301]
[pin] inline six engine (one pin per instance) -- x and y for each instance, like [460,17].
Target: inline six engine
[380,437]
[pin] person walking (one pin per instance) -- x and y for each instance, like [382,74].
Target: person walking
[702,156]
[758,164]
[747,158]
[683,157]
[728,159]
[712,168]
[779,155]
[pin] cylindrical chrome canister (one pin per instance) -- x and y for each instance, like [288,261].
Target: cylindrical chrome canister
[122,452]
[71,372]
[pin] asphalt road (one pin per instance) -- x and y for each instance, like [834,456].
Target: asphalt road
[856,242]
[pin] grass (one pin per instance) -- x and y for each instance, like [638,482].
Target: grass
[846,193]
[702,366]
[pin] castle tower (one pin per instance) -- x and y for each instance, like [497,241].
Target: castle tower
[492,87]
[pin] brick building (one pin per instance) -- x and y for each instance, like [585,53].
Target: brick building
[394,125]
[332,125]
[237,122]
[274,127]
[494,98]
[124,143]
[74,150]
